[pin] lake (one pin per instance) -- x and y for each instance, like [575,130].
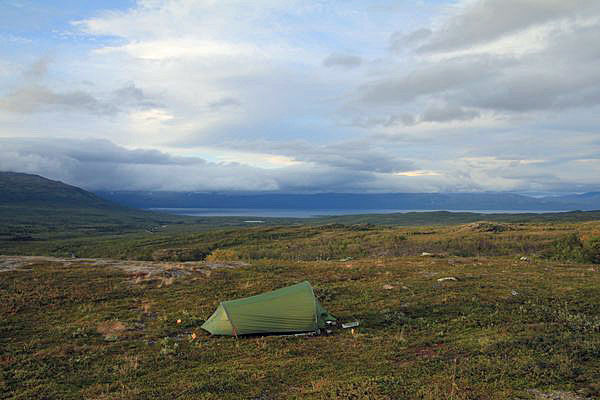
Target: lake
[290,213]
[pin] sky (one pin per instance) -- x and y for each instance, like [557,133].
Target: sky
[303,96]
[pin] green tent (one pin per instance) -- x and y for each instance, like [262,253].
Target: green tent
[291,309]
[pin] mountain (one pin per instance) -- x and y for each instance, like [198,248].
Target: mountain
[35,208]
[27,189]
[584,199]
[352,201]
[33,190]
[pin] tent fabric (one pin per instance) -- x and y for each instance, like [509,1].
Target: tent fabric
[291,309]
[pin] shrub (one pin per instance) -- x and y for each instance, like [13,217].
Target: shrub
[568,248]
[223,255]
[168,347]
[180,254]
[592,250]
[572,248]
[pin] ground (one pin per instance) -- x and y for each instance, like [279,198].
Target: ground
[518,326]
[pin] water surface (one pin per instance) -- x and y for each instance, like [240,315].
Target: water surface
[292,213]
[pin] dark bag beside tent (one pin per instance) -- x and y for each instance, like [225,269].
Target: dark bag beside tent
[291,309]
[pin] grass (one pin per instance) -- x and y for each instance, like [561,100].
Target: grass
[505,327]
[564,241]
[26,221]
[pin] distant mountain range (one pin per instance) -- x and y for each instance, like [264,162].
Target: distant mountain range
[352,201]
[27,189]
[33,208]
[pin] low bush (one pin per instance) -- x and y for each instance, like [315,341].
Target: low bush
[568,248]
[180,254]
[592,250]
[571,248]
[223,255]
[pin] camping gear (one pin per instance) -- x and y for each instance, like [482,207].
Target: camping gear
[290,309]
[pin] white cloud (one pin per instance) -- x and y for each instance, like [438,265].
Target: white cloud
[160,50]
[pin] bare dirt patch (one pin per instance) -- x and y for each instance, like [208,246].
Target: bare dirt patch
[555,395]
[110,329]
[10,265]
[165,273]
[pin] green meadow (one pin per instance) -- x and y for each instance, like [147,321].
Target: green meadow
[519,319]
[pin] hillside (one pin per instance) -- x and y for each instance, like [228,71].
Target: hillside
[35,208]
[28,189]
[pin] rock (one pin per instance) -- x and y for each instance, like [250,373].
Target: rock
[176,273]
[449,278]
[555,395]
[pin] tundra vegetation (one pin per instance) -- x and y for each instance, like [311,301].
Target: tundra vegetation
[117,316]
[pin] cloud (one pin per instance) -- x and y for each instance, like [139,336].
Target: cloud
[131,96]
[477,22]
[386,121]
[490,74]
[447,112]
[342,61]
[100,164]
[300,95]
[35,98]
[38,69]
[224,102]
[437,111]
[351,156]
[93,150]
[400,41]
[457,74]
